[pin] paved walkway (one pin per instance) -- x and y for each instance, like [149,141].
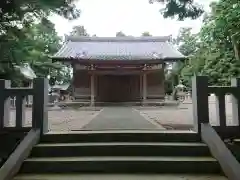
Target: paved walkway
[119,118]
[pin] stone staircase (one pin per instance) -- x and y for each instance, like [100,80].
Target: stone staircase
[117,155]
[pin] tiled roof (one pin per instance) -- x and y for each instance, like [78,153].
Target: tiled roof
[118,48]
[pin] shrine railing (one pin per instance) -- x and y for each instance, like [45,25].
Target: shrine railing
[39,106]
[200,93]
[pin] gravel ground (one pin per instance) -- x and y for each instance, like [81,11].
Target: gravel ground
[181,117]
[61,120]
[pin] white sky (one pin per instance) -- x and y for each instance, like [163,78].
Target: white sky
[132,17]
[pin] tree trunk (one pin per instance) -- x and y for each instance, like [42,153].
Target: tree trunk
[235,47]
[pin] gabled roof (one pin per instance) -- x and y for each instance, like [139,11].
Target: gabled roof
[118,48]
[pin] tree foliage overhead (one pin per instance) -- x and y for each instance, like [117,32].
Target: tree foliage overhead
[21,10]
[146,33]
[180,8]
[27,36]
[79,31]
[120,34]
[214,51]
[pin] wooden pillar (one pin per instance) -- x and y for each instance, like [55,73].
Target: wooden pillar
[92,90]
[73,80]
[140,87]
[163,79]
[144,86]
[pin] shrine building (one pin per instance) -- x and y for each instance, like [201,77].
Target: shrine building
[118,69]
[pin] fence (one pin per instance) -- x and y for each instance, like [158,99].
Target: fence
[39,91]
[200,93]
[27,103]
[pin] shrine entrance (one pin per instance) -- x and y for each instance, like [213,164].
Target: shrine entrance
[118,88]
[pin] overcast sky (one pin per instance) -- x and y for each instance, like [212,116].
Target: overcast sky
[106,17]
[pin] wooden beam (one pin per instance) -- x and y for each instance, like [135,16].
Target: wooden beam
[115,72]
[132,61]
[97,61]
[14,162]
[219,150]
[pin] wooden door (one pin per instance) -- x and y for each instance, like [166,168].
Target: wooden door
[118,88]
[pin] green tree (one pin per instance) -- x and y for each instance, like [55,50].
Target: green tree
[180,8]
[39,43]
[16,20]
[146,33]
[188,45]
[120,34]
[79,31]
[214,51]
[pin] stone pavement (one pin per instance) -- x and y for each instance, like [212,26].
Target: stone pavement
[119,118]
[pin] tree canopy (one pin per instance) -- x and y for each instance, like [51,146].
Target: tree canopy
[26,35]
[214,51]
[180,8]
[120,34]
[79,31]
[146,33]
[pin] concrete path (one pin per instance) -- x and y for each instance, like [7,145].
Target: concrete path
[119,118]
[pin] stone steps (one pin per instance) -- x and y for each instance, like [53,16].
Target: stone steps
[120,152]
[120,149]
[118,177]
[121,136]
[194,165]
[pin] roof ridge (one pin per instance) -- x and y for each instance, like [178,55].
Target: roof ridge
[119,39]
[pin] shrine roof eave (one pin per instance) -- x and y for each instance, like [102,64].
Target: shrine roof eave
[73,60]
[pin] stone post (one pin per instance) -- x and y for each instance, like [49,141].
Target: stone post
[200,101]
[235,102]
[40,105]
[5,104]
